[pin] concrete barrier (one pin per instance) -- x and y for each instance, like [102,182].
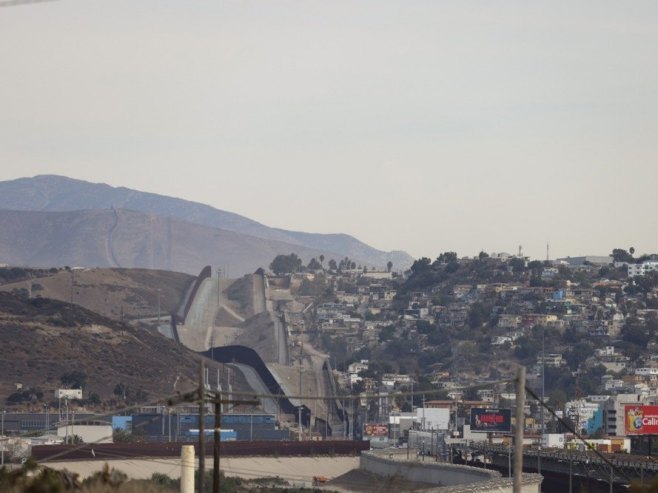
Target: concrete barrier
[449,478]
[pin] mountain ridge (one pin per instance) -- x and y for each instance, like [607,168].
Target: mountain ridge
[54,193]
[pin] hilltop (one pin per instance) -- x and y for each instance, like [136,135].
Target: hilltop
[119,294]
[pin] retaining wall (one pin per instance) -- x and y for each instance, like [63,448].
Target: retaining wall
[449,478]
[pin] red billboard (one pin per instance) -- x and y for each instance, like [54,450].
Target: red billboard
[375,430]
[641,420]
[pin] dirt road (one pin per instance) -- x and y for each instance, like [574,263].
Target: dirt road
[298,470]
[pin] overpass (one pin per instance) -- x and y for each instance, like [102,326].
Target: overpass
[563,467]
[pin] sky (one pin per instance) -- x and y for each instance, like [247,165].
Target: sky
[416,125]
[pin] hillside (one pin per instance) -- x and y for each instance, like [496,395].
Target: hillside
[129,239]
[114,293]
[48,339]
[48,193]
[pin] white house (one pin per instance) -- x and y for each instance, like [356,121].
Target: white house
[643,268]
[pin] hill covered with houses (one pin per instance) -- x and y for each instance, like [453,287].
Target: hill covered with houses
[457,327]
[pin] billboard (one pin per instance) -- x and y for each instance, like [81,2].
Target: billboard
[375,430]
[641,420]
[68,394]
[487,420]
[433,418]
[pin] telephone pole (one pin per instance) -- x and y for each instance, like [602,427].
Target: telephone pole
[202,434]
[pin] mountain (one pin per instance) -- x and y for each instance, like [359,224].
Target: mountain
[122,238]
[58,194]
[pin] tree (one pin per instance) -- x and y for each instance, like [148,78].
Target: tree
[387,333]
[421,265]
[120,390]
[123,436]
[389,266]
[314,264]
[580,352]
[635,333]
[74,379]
[332,265]
[478,315]
[447,257]
[322,260]
[285,264]
[518,265]
[536,266]
[621,255]
[557,398]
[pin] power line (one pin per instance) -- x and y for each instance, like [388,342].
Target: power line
[18,3]
[569,427]
[367,395]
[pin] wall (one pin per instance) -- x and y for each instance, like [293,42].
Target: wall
[449,478]
[89,433]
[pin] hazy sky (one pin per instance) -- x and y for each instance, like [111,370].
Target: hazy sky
[414,124]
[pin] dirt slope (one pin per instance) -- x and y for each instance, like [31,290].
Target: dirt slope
[41,339]
[115,293]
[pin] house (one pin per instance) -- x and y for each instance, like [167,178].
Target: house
[509,321]
[643,268]
[552,360]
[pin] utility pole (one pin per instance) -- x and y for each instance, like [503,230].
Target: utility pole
[518,431]
[300,400]
[218,423]
[204,395]
[423,412]
[299,417]
[2,434]
[541,409]
[202,434]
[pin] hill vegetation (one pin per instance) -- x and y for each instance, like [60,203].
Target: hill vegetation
[55,344]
